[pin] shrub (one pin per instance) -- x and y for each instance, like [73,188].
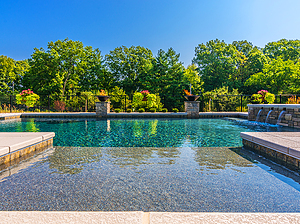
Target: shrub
[153,110]
[59,105]
[141,110]
[175,110]
[128,110]
[27,97]
[164,110]
[146,100]
[117,110]
[263,96]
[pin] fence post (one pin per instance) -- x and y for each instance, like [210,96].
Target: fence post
[241,103]
[10,108]
[48,102]
[125,104]
[280,99]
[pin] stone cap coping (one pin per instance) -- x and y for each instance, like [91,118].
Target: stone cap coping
[284,142]
[139,217]
[18,140]
[280,106]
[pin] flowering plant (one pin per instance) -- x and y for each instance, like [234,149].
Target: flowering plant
[145,92]
[187,92]
[27,97]
[263,96]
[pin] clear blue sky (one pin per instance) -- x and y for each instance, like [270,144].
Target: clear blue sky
[155,24]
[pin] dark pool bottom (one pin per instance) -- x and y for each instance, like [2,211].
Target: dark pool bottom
[148,179]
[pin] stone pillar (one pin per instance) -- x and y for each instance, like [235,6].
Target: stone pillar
[102,108]
[192,109]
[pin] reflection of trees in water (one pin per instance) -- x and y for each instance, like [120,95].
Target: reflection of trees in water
[71,160]
[219,158]
[135,156]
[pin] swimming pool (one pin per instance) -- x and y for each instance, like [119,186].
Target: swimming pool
[150,165]
[143,132]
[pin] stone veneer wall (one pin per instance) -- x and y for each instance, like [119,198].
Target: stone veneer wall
[276,156]
[102,108]
[291,117]
[192,109]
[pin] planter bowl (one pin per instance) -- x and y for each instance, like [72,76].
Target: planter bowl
[192,97]
[103,98]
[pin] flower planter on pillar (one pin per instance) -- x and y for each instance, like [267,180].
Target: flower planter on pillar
[102,108]
[192,109]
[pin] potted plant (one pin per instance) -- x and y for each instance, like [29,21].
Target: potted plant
[189,96]
[102,96]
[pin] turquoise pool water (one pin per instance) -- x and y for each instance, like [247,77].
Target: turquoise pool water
[143,132]
[148,165]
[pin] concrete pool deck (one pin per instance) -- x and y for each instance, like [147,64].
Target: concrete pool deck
[283,147]
[139,217]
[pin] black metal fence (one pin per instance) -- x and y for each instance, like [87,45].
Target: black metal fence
[84,103]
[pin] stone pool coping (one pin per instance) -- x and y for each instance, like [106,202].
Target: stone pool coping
[14,145]
[139,217]
[283,147]
[5,116]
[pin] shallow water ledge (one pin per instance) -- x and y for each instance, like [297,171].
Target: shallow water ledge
[14,145]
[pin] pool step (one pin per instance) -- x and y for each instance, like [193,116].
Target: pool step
[14,145]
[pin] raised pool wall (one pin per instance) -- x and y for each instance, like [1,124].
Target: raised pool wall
[291,117]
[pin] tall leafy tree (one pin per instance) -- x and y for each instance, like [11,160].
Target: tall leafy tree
[285,49]
[65,67]
[11,73]
[278,77]
[166,78]
[216,61]
[127,65]
[191,76]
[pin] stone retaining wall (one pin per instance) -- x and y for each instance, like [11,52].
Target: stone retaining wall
[290,118]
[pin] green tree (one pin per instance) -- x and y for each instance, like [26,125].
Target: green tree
[278,77]
[128,64]
[191,76]
[216,62]
[285,49]
[11,73]
[65,67]
[166,78]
